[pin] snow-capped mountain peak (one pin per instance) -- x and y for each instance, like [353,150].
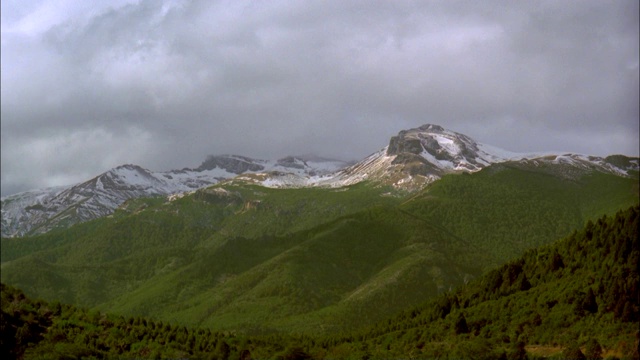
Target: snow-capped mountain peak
[419,156]
[443,148]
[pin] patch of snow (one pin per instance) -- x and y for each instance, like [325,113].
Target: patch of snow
[441,164]
[494,154]
[447,143]
[99,184]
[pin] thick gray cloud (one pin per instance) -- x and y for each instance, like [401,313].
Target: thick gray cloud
[91,85]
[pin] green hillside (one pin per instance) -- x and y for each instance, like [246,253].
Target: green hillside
[576,298]
[509,208]
[259,260]
[579,294]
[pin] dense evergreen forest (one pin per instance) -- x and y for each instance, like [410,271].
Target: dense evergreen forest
[576,298]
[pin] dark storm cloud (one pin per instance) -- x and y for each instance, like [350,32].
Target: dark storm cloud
[164,83]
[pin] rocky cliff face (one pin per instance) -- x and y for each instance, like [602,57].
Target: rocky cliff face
[232,163]
[439,147]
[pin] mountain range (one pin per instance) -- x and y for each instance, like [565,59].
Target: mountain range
[318,254]
[413,159]
[415,243]
[39,211]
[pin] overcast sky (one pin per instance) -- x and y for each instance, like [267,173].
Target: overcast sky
[89,85]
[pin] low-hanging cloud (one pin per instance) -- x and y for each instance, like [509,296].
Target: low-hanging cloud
[164,83]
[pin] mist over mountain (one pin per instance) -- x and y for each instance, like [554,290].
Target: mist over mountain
[319,180]
[162,83]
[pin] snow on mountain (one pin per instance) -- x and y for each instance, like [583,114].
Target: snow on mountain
[39,211]
[413,159]
[18,209]
[417,157]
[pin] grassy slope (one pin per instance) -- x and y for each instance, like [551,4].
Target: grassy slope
[304,259]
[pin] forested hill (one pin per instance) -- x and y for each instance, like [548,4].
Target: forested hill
[576,297]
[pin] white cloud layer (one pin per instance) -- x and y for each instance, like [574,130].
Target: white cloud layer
[90,85]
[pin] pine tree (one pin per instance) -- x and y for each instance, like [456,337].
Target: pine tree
[573,352]
[461,325]
[593,350]
[590,303]
[519,352]
[223,350]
